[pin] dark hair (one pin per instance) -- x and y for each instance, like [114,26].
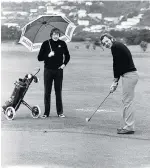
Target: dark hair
[108,36]
[54,30]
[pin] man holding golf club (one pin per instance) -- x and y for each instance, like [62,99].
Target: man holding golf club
[123,66]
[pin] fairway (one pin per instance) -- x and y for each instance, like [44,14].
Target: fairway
[71,141]
[87,79]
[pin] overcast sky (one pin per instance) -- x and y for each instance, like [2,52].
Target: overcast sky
[62,0]
[32,0]
[44,0]
[18,0]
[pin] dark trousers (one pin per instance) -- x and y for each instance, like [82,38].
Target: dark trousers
[50,76]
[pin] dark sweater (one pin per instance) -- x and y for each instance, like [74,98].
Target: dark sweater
[60,57]
[122,59]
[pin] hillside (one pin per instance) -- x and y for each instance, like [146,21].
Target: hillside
[109,14]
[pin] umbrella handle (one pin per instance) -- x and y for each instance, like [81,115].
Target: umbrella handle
[50,45]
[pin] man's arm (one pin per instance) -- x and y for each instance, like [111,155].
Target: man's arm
[43,52]
[67,57]
[114,84]
[66,53]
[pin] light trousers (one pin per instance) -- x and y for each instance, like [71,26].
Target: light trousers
[129,81]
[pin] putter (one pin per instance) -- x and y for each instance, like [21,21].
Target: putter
[88,119]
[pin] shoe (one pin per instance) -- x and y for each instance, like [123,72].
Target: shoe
[119,129]
[124,131]
[44,116]
[61,116]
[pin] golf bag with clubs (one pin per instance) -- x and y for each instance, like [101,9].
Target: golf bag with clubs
[16,99]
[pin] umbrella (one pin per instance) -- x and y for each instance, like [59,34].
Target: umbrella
[37,31]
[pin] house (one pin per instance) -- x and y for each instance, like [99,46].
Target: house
[86,29]
[41,7]
[60,3]
[82,13]
[33,10]
[96,28]
[12,25]
[65,7]
[54,1]
[33,14]
[101,4]
[130,22]
[22,13]
[68,7]
[59,12]
[83,22]
[74,14]
[123,26]
[8,13]
[50,9]
[95,15]
[48,4]
[112,19]
[3,20]
[88,3]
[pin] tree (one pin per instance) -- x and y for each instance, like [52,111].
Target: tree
[144,45]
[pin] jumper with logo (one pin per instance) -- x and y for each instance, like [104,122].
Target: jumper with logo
[61,54]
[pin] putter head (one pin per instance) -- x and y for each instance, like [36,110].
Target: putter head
[87,119]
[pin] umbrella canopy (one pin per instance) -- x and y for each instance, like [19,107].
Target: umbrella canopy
[37,31]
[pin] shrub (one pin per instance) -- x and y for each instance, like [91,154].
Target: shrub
[10,33]
[87,46]
[77,39]
[144,45]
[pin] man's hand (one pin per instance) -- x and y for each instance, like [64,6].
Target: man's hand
[51,54]
[62,66]
[113,87]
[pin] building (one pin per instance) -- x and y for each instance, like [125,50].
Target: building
[82,13]
[83,22]
[95,15]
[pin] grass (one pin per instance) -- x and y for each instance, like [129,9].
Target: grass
[87,79]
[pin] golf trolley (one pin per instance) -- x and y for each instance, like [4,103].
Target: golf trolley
[16,99]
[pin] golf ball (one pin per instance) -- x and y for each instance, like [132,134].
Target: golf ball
[87,119]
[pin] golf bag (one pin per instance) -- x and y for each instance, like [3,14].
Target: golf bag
[17,94]
[16,98]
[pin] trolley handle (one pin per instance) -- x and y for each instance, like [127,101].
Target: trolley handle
[37,72]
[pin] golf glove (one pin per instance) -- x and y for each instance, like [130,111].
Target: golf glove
[113,87]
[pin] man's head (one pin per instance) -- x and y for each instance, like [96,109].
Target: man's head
[55,34]
[107,40]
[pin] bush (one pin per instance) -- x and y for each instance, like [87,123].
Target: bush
[87,46]
[77,39]
[10,33]
[144,45]
[132,36]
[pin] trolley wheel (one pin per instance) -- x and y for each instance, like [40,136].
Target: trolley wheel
[10,113]
[36,112]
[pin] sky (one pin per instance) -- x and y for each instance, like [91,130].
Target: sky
[30,0]
[63,0]
[44,0]
[18,0]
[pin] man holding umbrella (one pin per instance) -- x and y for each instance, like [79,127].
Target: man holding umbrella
[55,54]
[123,66]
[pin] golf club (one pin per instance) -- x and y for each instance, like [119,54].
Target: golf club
[88,119]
